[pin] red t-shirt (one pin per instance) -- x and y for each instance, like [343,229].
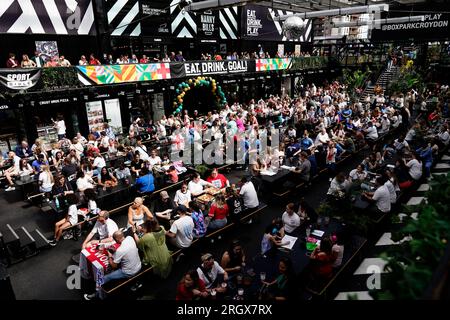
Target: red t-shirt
[184,293]
[218,213]
[219,182]
[173,175]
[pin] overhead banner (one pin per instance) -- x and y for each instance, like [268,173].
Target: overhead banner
[198,68]
[19,79]
[208,24]
[156,18]
[258,23]
[48,50]
[123,17]
[114,74]
[61,17]
[434,26]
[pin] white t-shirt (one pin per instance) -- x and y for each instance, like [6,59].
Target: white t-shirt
[372,133]
[155,160]
[410,134]
[61,127]
[99,162]
[92,206]
[105,142]
[196,187]
[355,175]
[391,189]
[73,214]
[182,198]
[84,183]
[383,199]
[249,195]
[105,230]
[415,169]
[45,181]
[183,229]
[128,257]
[142,152]
[212,274]
[290,222]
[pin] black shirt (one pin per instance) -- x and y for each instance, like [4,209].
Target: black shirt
[137,165]
[69,171]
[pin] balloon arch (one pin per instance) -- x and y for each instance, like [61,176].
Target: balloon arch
[198,82]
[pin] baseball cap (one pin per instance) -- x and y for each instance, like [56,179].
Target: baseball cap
[206,257]
[164,194]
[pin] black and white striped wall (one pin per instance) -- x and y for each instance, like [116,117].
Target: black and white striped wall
[61,17]
[228,23]
[122,16]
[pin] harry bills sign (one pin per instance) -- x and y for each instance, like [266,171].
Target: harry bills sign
[19,79]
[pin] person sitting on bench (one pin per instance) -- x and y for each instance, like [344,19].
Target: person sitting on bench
[181,232]
[218,213]
[69,221]
[218,180]
[212,274]
[191,287]
[196,185]
[12,171]
[104,227]
[163,208]
[249,194]
[106,179]
[233,260]
[381,197]
[125,260]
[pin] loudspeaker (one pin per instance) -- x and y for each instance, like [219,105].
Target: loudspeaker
[6,290]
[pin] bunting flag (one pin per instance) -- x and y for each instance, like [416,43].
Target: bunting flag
[113,74]
[273,64]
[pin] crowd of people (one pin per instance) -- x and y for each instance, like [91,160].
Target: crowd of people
[318,127]
[39,60]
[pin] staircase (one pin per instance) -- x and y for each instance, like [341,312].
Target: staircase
[19,244]
[383,80]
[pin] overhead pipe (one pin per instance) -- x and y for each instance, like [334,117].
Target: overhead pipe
[337,12]
[345,24]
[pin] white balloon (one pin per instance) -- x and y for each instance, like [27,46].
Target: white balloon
[293,27]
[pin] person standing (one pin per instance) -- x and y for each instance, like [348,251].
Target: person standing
[60,126]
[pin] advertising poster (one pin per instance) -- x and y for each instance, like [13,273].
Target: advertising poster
[208,24]
[156,18]
[47,49]
[259,23]
[95,115]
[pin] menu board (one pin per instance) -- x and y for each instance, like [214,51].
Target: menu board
[95,115]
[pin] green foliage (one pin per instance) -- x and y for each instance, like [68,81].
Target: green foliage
[202,170]
[59,77]
[354,80]
[411,264]
[408,79]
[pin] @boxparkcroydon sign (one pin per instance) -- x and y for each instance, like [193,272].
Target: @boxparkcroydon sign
[19,79]
[215,67]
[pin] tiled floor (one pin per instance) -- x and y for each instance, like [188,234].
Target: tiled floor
[369,265]
[359,295]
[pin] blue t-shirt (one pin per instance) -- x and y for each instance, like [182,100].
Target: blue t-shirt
[37,165]
[306,143]
[146,183]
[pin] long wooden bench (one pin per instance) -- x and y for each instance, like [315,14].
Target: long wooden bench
[116,285]
[322,289]
[245,218]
